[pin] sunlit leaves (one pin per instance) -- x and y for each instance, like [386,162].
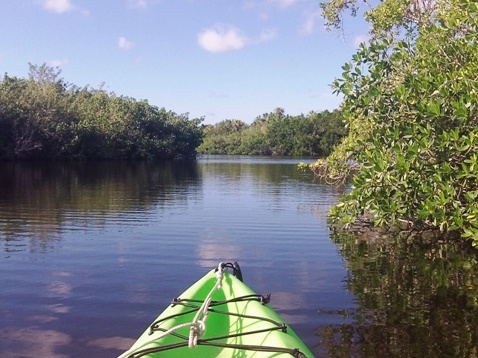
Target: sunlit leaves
[413,122]
[276,133]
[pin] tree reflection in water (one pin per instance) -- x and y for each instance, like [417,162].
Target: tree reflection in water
[45,199]
[416,297]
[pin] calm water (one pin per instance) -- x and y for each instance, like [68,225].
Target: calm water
[92,252]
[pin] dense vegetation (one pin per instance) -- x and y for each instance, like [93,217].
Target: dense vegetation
[276,133]
[410,99]
[43,117]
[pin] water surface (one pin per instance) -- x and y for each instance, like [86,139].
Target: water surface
[91,253]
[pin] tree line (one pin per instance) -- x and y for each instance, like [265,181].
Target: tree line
[43,117]
[276,133]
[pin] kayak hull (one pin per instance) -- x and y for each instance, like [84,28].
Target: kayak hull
[238,323]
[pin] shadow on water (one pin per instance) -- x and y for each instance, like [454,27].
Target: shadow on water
[415,298]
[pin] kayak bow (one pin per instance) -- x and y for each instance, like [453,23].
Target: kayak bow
[219,316]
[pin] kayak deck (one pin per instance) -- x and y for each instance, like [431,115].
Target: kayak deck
[219,316]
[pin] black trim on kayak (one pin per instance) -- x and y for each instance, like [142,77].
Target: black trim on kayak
[294,352]
[264,299]
[196,304]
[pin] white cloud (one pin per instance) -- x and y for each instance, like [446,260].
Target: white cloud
[138,4]
[57,63]
[224,38]
[58,6]
[142,4]
[311,19]
[124,43]
[283,3]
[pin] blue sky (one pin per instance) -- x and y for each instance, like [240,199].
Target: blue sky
[218,59]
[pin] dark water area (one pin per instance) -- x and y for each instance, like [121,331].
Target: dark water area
[91,253]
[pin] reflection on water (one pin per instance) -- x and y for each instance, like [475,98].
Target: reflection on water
[415,298]
[211,251]
[30,342]
[39,201]
[111,343]
[92,252]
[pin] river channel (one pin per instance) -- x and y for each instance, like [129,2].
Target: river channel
[91,253]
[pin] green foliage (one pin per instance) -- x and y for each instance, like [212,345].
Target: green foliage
[413,116]
[398,17]
[43,117]
[223,137]
[276,133]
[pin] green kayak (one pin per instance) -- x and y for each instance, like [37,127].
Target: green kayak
[219,316]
